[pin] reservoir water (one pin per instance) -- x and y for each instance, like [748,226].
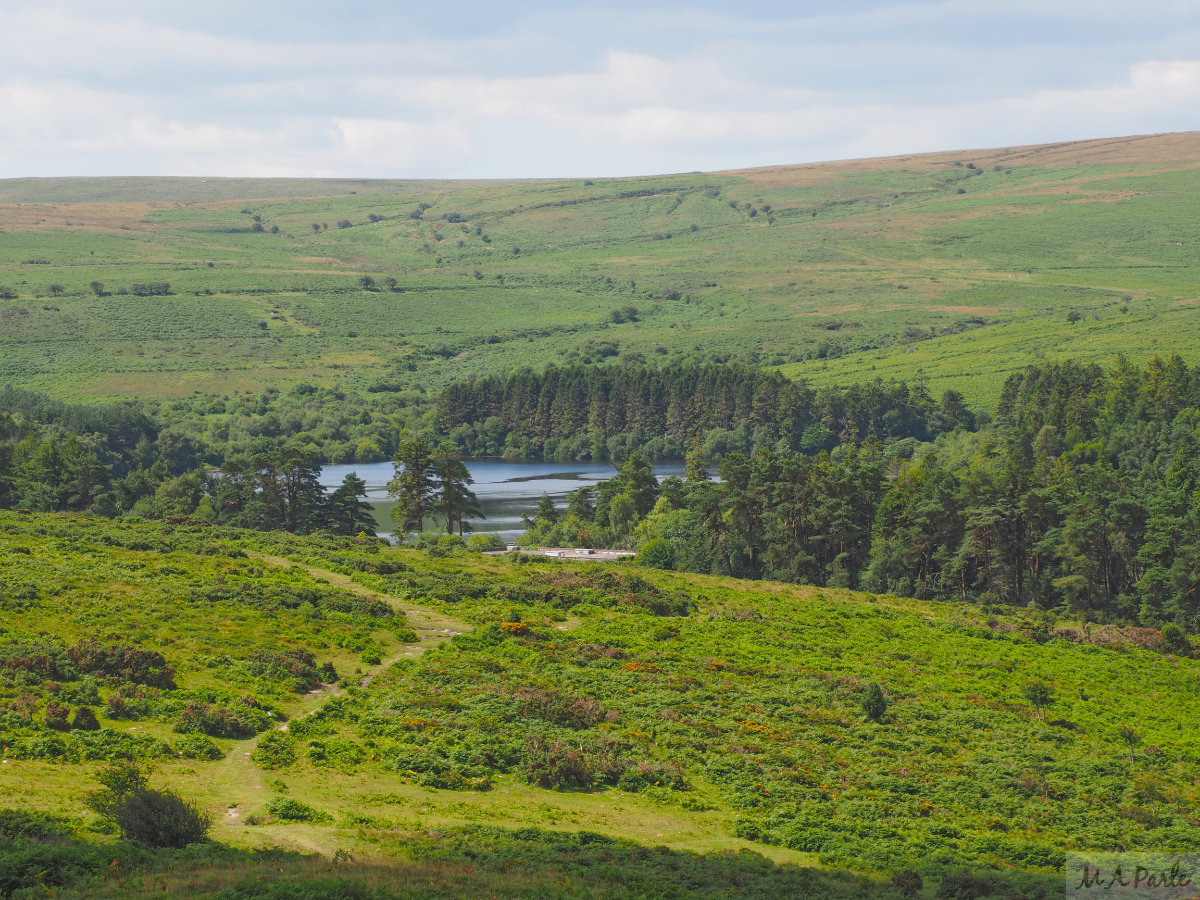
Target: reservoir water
[506,490]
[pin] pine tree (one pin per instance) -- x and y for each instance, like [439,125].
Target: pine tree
[347,510]
[414,487]
[454,496]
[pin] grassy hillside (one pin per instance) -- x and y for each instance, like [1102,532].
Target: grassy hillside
[960,267]
[544,723]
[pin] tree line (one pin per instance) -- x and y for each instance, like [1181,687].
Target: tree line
[146,457]
[1083,496]
[607,412]
[113,460]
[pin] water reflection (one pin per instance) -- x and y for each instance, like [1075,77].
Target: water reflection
[506,490]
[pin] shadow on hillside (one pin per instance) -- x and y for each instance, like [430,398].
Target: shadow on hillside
[466,861]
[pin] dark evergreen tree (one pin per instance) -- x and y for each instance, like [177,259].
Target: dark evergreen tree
[414,487]
[347,510]
[454,496]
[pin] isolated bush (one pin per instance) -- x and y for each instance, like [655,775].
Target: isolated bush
[289,810]
[56,715]
[874,703]
[85,719]
[161,819]
[1039,695]
[908,883]
[157,818]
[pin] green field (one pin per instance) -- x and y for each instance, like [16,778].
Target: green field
[366,722]
[545,712]
[959,267]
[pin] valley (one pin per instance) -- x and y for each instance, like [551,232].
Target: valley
[903,453]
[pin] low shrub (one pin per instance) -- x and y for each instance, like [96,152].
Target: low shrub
[276,750]
[84,719]
[197,746]
[288,810]
[123,662]
[554,764]
[242,720]
[56,715]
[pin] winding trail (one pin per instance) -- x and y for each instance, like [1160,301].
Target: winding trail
[239,780]
[432,627]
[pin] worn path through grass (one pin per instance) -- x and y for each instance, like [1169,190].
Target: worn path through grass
[243,782]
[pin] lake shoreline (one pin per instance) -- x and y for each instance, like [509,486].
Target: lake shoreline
[507,490]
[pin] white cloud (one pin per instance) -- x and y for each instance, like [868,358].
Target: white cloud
[390,145]
[171,88]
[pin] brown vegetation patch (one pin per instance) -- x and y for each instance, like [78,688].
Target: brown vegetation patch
[1172,149]
[180,384]
[1100,635]
[969,310]
[1175,150]
[91,216]
[836,310]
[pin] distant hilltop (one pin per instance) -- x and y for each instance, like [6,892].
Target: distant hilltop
[1169,149]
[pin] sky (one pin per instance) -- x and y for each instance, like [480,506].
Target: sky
[527,88]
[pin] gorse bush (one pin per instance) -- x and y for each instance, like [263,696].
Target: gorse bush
[275,750]
[197,746]
[84,719]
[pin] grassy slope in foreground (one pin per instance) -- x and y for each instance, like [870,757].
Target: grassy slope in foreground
[738,724]
[838,271]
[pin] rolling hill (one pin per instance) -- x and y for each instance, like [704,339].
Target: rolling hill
[956,267]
